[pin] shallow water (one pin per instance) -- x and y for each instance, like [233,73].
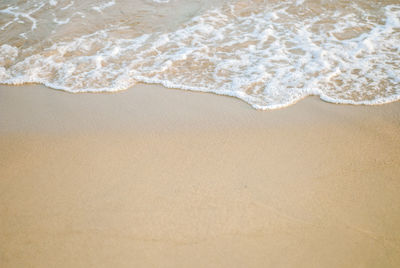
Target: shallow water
[268,53]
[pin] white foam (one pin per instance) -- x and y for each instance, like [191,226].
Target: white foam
[70,4]
[13,11]
[53,2]
[103,6]
[60,22]
[270,56]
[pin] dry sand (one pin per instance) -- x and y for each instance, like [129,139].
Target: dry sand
[152,177]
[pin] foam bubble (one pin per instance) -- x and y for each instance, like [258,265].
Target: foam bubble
[103,6]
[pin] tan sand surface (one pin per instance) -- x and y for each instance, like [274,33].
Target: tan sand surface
[152,177]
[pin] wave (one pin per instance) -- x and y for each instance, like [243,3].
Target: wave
[268,53]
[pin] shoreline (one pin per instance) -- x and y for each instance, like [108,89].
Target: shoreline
[158,177]
[245,98]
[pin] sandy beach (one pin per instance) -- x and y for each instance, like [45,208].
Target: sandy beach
[154,177]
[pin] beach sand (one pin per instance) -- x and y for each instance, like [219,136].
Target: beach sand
[154,177]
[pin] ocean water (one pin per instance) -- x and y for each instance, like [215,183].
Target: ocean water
[268,53]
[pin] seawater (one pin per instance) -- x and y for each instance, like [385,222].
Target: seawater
[268,53]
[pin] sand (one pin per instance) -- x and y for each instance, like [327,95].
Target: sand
[153,177]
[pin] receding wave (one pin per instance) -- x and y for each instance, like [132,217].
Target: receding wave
[267,53]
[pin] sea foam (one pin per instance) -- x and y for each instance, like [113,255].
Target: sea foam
[269,54]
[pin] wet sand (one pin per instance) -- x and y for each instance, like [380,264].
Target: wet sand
[153,177]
